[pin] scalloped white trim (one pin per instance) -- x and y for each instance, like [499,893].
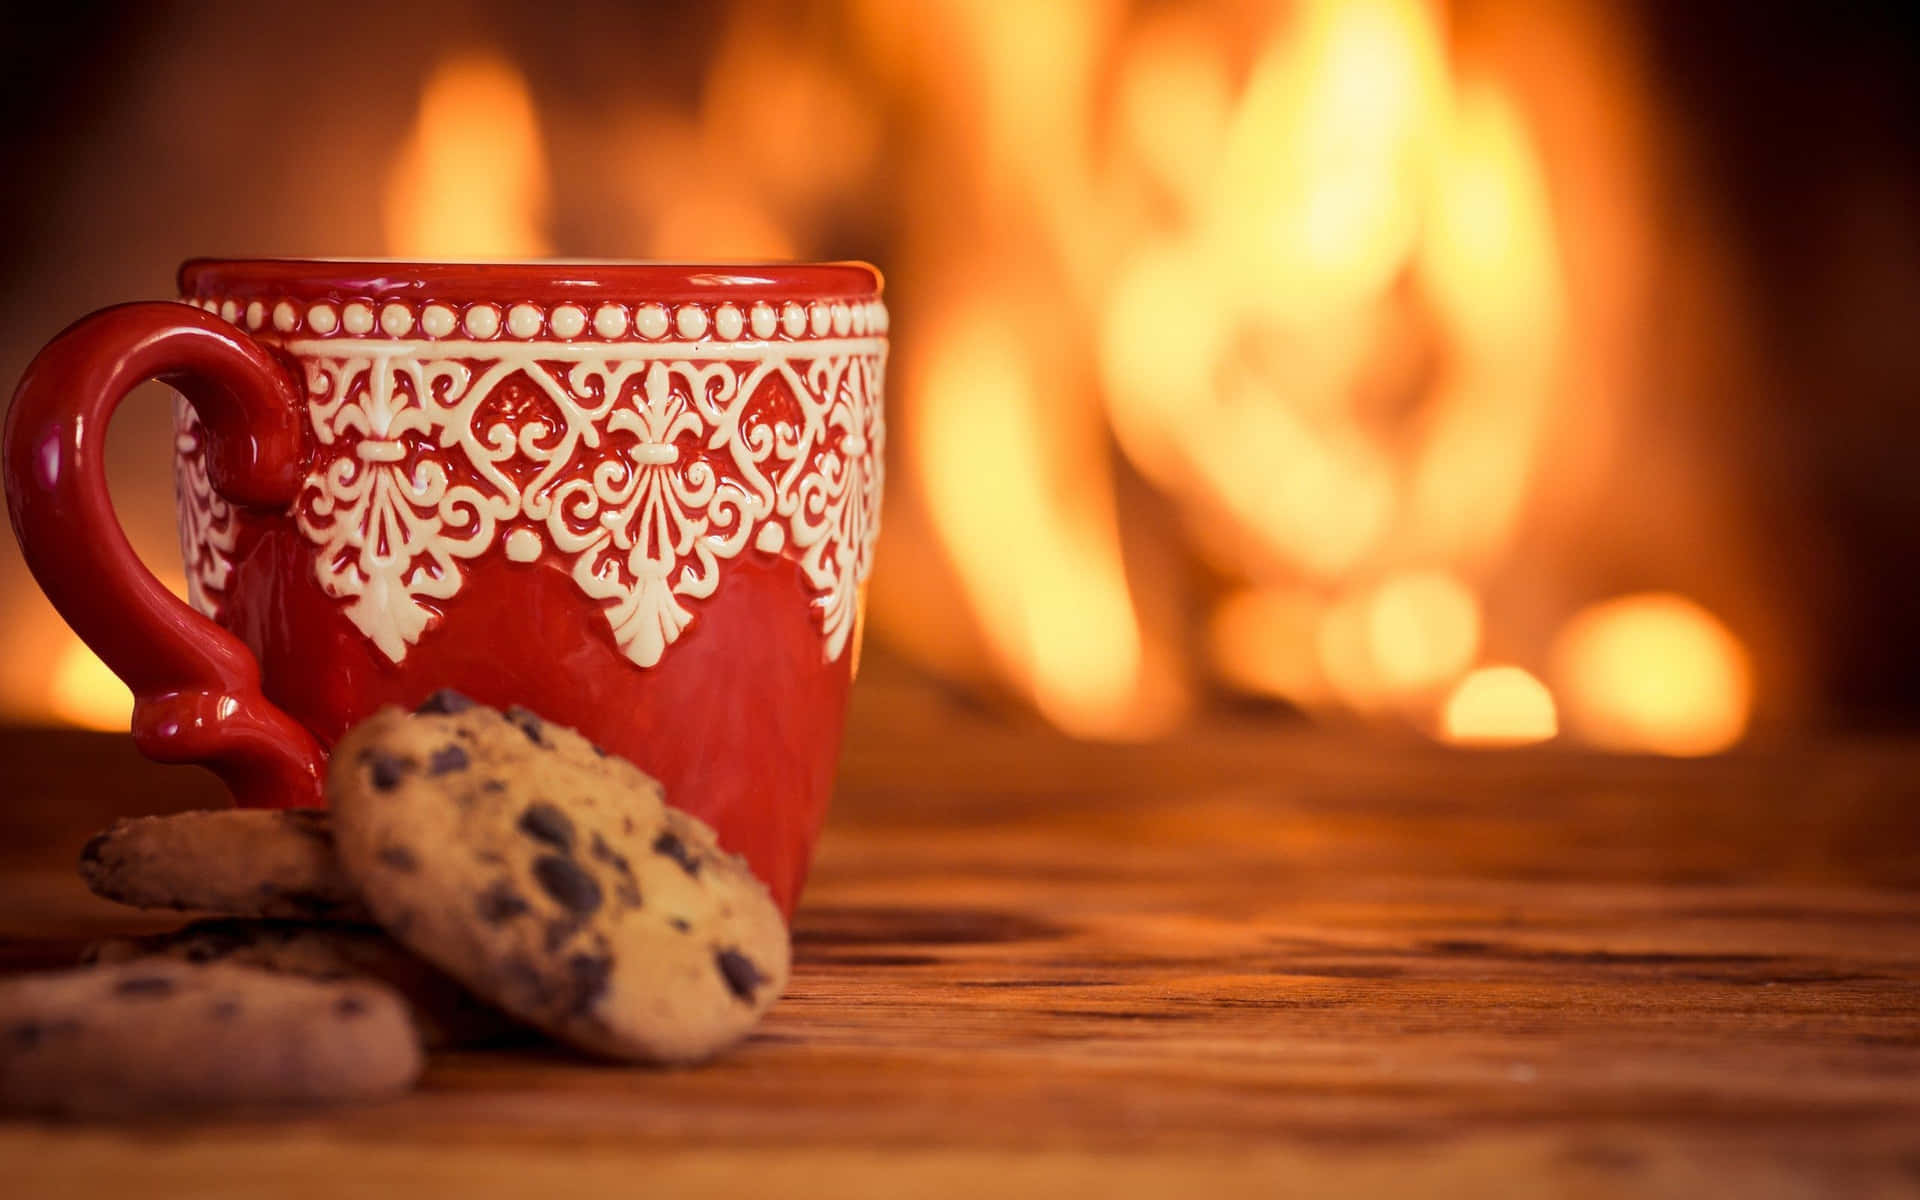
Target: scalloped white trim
[648,465]
[725,321]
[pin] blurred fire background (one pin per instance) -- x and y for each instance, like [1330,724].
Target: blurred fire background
[1485,371]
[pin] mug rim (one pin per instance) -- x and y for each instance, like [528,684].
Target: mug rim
[525,279]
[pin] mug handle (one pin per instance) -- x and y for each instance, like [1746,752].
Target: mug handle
[196,687]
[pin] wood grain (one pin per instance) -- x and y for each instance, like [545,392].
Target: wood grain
[1256,959]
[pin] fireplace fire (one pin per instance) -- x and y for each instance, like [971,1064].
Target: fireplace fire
[1339,357]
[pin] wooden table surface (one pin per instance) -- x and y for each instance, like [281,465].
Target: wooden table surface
[1259,959]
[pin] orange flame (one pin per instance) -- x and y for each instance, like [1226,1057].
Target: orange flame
[1247,313]
[1488,257]
[1050,593]
[1264,262]
[471,181]
[1319,186]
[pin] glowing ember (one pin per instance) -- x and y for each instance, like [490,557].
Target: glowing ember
[83,692]
[1499,706]
[472,180]
[1653,673]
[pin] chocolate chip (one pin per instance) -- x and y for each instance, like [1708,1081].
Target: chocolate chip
[569,886]
[213,940]
[350,1006]
[595,747]
[444,703]
[557,933]
[524,984]
[308,904]
[545,823]
[492,785]
[589,974]
[450,757]
[144,985]
[388,769]
[680,924]
[741,974]
[312,822]
[526,722]
[500,903]
[627,892]
[607,854]
[28,1034]
[399,858]
[669,845]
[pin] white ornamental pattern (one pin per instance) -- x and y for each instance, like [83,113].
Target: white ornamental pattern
[645,466]
[207,532]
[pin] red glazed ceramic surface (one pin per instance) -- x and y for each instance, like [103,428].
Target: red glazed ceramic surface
[638,499]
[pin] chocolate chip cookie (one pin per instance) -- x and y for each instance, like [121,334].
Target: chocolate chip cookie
[444,1013]
[165,1036]
[238,862]
[553,881]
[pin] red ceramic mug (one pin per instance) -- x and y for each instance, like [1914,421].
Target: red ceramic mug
[638,499]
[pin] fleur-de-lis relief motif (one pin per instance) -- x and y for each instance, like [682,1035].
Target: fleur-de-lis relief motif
[646,470]
[650,524]
[388,518]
